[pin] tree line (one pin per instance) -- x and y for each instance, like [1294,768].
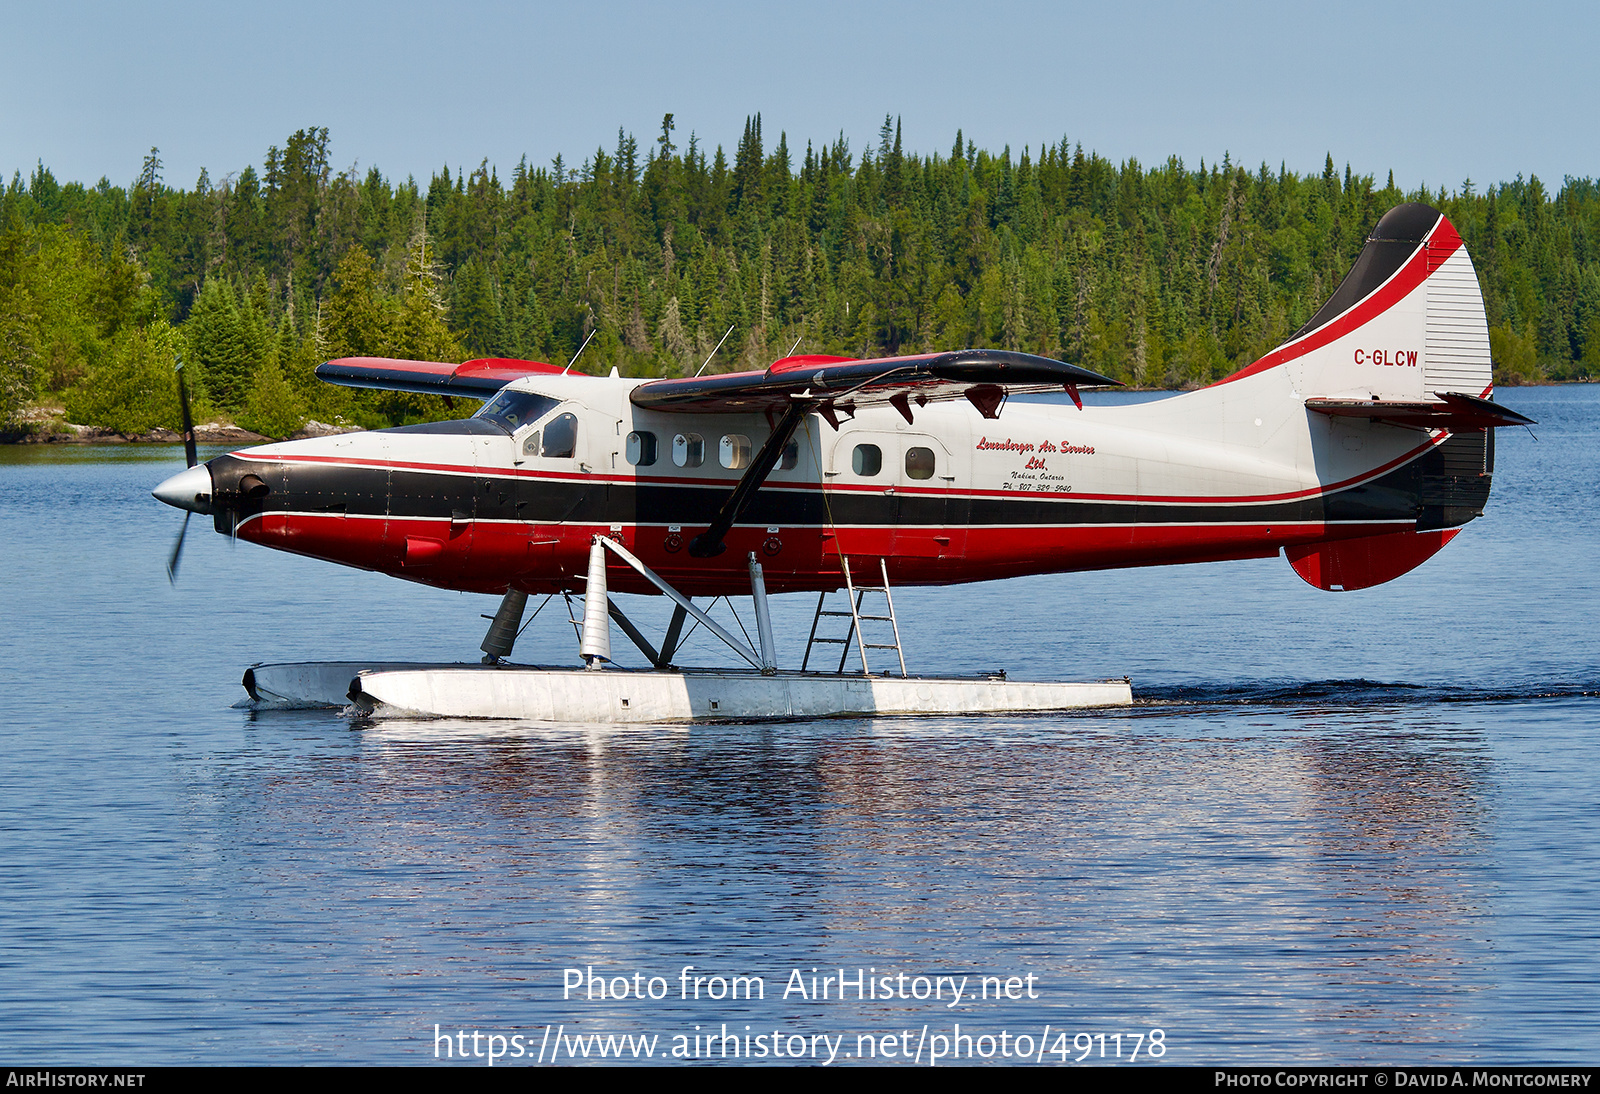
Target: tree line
[1161,276]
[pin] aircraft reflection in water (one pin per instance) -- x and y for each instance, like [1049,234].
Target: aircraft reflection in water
[1343,852]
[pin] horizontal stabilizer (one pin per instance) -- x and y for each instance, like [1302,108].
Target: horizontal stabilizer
[478,379]
[983,376]
[1454,411]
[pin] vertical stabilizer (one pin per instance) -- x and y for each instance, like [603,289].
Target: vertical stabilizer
[1406,324]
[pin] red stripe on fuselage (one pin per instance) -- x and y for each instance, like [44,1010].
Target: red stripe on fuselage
[487,557]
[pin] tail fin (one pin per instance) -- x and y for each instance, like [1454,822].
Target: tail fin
[1403,342]
[1405,325]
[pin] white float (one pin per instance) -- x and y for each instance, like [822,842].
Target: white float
[603,693]
[544,695]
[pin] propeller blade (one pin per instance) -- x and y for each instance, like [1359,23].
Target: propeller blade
[191,456]
[189,453]
[177,550]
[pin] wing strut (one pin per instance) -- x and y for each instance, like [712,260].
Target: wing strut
[708,544]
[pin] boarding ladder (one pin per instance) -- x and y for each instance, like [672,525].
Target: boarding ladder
[855,601]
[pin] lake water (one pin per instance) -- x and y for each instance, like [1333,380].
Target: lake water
[1341,828]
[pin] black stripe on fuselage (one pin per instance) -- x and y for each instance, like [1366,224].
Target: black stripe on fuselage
[1446,481]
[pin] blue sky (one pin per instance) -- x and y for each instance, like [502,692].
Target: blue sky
[1436,92]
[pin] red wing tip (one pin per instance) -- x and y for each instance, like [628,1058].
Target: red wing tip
[507,364]
[394,363]
[507,368]
[808,360]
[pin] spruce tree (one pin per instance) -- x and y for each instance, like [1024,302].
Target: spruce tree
[420,331]
[352,322]
[272,408]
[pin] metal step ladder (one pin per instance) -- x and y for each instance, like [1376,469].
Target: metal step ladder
[855,601]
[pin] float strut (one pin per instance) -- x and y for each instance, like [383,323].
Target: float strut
[669,644]
[595,646]
[603,543]
[758,593]
[634,633]
[496,645]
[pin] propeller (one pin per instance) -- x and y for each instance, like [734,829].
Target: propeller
[177,551]
[191,457]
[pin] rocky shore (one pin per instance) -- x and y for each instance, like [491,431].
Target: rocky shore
[46,426]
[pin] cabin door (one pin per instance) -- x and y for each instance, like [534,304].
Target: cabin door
[889,493]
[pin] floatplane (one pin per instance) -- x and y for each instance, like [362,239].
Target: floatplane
[1357,449]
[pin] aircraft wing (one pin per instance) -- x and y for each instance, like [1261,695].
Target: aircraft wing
[840,385]
[478,379]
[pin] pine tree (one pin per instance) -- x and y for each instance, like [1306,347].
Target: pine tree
[353,323]
[223,350]
[420,332]
[475,310]
[272,408]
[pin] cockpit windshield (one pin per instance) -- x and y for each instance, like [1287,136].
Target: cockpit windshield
[511,410]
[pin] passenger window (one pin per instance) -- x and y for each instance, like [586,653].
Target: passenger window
[641,449]
[688,450]
[734,452]
[791,456]
[919,463]
[530,446]
[560,437]
[866,460]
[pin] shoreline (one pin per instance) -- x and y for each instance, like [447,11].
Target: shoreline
[88,434]
[46,428]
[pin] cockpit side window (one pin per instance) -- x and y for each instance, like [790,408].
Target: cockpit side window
[560,437]
[511,410]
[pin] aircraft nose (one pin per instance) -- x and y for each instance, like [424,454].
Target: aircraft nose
[189,489]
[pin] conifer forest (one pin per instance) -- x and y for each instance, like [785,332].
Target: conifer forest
[1165,276]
